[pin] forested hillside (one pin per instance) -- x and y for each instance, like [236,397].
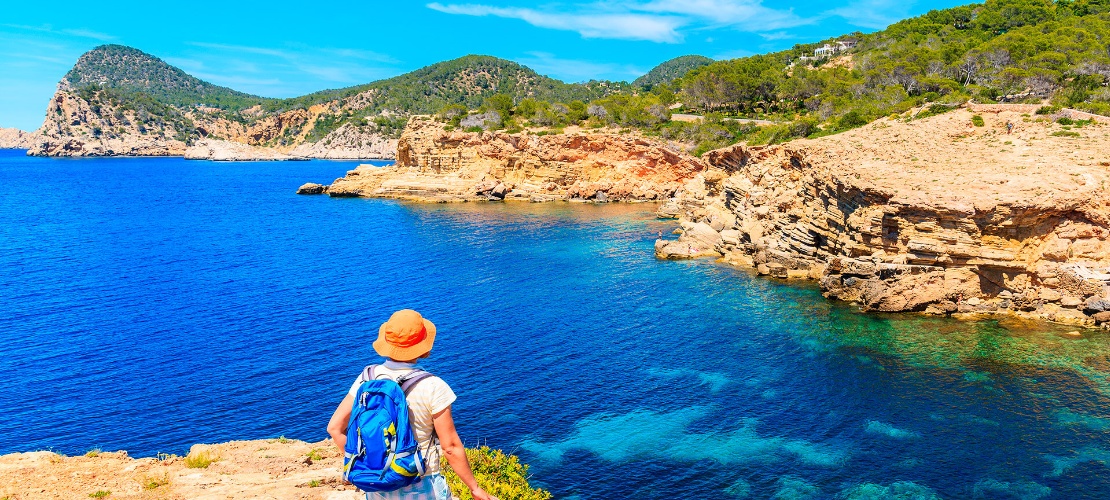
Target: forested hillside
[1002,50]
[671,70]
[999,51]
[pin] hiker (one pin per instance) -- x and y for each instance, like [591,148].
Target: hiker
[1009,127]
[403,340]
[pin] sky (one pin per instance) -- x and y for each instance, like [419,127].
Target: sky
[285,49]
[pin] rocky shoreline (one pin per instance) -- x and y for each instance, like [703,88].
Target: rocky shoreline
[439,165]
[87,125]
[934,215]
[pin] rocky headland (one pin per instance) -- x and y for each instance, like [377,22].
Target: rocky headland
[13,138]
[93,123]
[437,164]
[935,215]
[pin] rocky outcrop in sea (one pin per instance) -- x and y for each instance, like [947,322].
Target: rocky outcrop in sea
[934,215]
[436,164]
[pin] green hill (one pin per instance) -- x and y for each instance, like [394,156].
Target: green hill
[131,71]
[467,80]
[671,70]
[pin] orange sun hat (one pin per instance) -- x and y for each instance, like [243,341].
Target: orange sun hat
[406,336]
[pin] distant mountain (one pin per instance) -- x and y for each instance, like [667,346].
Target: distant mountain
[132,71]
[671,70]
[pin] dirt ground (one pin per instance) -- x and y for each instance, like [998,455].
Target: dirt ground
[947,159]
[264,469]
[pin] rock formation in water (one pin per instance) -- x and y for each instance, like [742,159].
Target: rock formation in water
[440,165]
[934,215]
[13,138]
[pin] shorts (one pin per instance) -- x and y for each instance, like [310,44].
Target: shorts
[430,487]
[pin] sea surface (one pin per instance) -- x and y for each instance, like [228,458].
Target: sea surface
[150,304]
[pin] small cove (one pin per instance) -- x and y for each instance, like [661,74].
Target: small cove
[150,304]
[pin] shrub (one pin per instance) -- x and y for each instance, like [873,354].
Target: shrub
[200,460]
[92,453]
[154,482]
[851,119]
[978,121]
[501,475]
[1063,120]
[1065,133]
[1048,110]
[100,494]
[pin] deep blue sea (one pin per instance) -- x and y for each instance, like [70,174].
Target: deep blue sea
[150,304]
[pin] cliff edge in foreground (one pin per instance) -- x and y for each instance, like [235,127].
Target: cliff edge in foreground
[436,164]
[271,468]
[945,214]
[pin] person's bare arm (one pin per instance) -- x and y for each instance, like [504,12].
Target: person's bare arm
[455,453]
[337,426]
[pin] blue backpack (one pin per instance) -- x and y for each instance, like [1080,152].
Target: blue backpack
[382,453]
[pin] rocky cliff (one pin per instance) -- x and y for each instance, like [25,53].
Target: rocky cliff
[436,164]
[934,215]
[95,122]
[13,138]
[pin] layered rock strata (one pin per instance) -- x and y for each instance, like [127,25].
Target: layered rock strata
[434,164]
[933,215]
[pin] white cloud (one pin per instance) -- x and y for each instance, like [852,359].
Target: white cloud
[71,32]
[777,35]
[624,26]
[272,71]
[574,70]
[653,20]
[746,15]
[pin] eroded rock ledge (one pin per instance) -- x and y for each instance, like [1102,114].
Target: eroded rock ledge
[934,215]
[434,164]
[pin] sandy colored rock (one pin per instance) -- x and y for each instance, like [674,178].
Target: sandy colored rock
[219,150]
[312,188]
[434,164]
[75,126]
[904,215]
[13,138]
[244,469]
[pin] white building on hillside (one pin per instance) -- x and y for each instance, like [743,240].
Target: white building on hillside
[838,46]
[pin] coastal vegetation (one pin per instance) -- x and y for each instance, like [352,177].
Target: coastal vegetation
[501,475]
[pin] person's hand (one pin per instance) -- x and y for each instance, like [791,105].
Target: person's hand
[480,494]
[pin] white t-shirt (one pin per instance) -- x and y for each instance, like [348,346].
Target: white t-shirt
[430,396]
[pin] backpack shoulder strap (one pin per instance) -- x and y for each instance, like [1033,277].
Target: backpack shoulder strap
[368,373]
[409,381]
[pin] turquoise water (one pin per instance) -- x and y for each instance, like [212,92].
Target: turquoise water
[149,304]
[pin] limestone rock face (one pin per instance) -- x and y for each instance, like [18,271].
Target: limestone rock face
[349,143]
[76,127]
[217,150]
[925,215]
[84,124]
[13,138]
[437,165]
